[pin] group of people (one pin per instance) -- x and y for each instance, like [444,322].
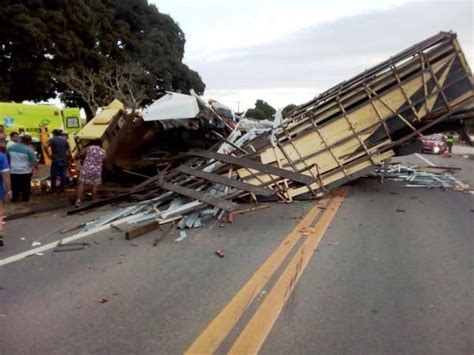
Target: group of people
[18,163]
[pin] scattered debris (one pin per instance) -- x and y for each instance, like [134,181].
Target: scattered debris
[102,300]
[220,253]
[230,217]
[436,167]
[70,229]
[35,244]
[420,177]
[71,247]
[252,209]
[182,236]
[115,228]
[142,229]
[400,210]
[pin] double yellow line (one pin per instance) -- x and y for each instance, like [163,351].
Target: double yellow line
[257,329]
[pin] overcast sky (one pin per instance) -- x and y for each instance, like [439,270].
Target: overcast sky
[286,51]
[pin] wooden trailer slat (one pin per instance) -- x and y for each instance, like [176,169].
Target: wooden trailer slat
[252,164]
[219,179]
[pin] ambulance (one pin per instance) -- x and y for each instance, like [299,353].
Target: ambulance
[28,118]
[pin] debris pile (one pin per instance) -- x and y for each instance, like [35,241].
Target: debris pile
[171,125]
[425,177]
[342,134]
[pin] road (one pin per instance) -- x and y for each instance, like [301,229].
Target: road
[372,269]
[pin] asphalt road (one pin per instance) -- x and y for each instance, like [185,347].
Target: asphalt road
[390,270]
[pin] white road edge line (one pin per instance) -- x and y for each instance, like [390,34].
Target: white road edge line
[66,240]
[424,159]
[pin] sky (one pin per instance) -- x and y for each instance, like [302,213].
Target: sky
[288,51]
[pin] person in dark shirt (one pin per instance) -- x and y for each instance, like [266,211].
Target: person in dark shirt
[60,157]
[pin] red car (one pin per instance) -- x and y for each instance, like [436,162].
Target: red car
[434,144]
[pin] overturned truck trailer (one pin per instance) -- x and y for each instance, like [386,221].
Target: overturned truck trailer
[340,135]
[344,132]
[348,129]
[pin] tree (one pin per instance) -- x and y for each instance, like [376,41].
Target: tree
[125,83]
[262,111]
[287,109]
[46,46]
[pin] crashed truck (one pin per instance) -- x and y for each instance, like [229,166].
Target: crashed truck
[340,135]
[135,140]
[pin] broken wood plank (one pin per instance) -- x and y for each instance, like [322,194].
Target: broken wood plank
[428,167]
[143,229]
[200,196]
[257,190]
[252,164]
[148,227]
[251,209]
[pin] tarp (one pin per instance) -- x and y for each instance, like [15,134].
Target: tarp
[172,106]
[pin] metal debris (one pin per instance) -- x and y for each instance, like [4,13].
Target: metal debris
[71,247]
[182,236]
[416,177]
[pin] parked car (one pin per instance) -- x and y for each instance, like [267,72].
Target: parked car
[434,144]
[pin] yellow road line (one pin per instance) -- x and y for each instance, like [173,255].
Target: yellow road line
[217,330]
[254,334]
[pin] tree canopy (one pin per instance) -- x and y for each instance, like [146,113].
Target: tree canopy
[262,111]
[47,44]
[287,109]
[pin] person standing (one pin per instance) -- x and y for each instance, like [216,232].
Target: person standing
[14,138]
[3,139]
[5,190]
[91,170]
[60,157]
[450,142]
[22,161]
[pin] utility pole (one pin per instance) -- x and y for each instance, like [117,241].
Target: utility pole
[238,106]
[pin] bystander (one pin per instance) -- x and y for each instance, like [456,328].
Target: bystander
[22,162]
[60,158]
